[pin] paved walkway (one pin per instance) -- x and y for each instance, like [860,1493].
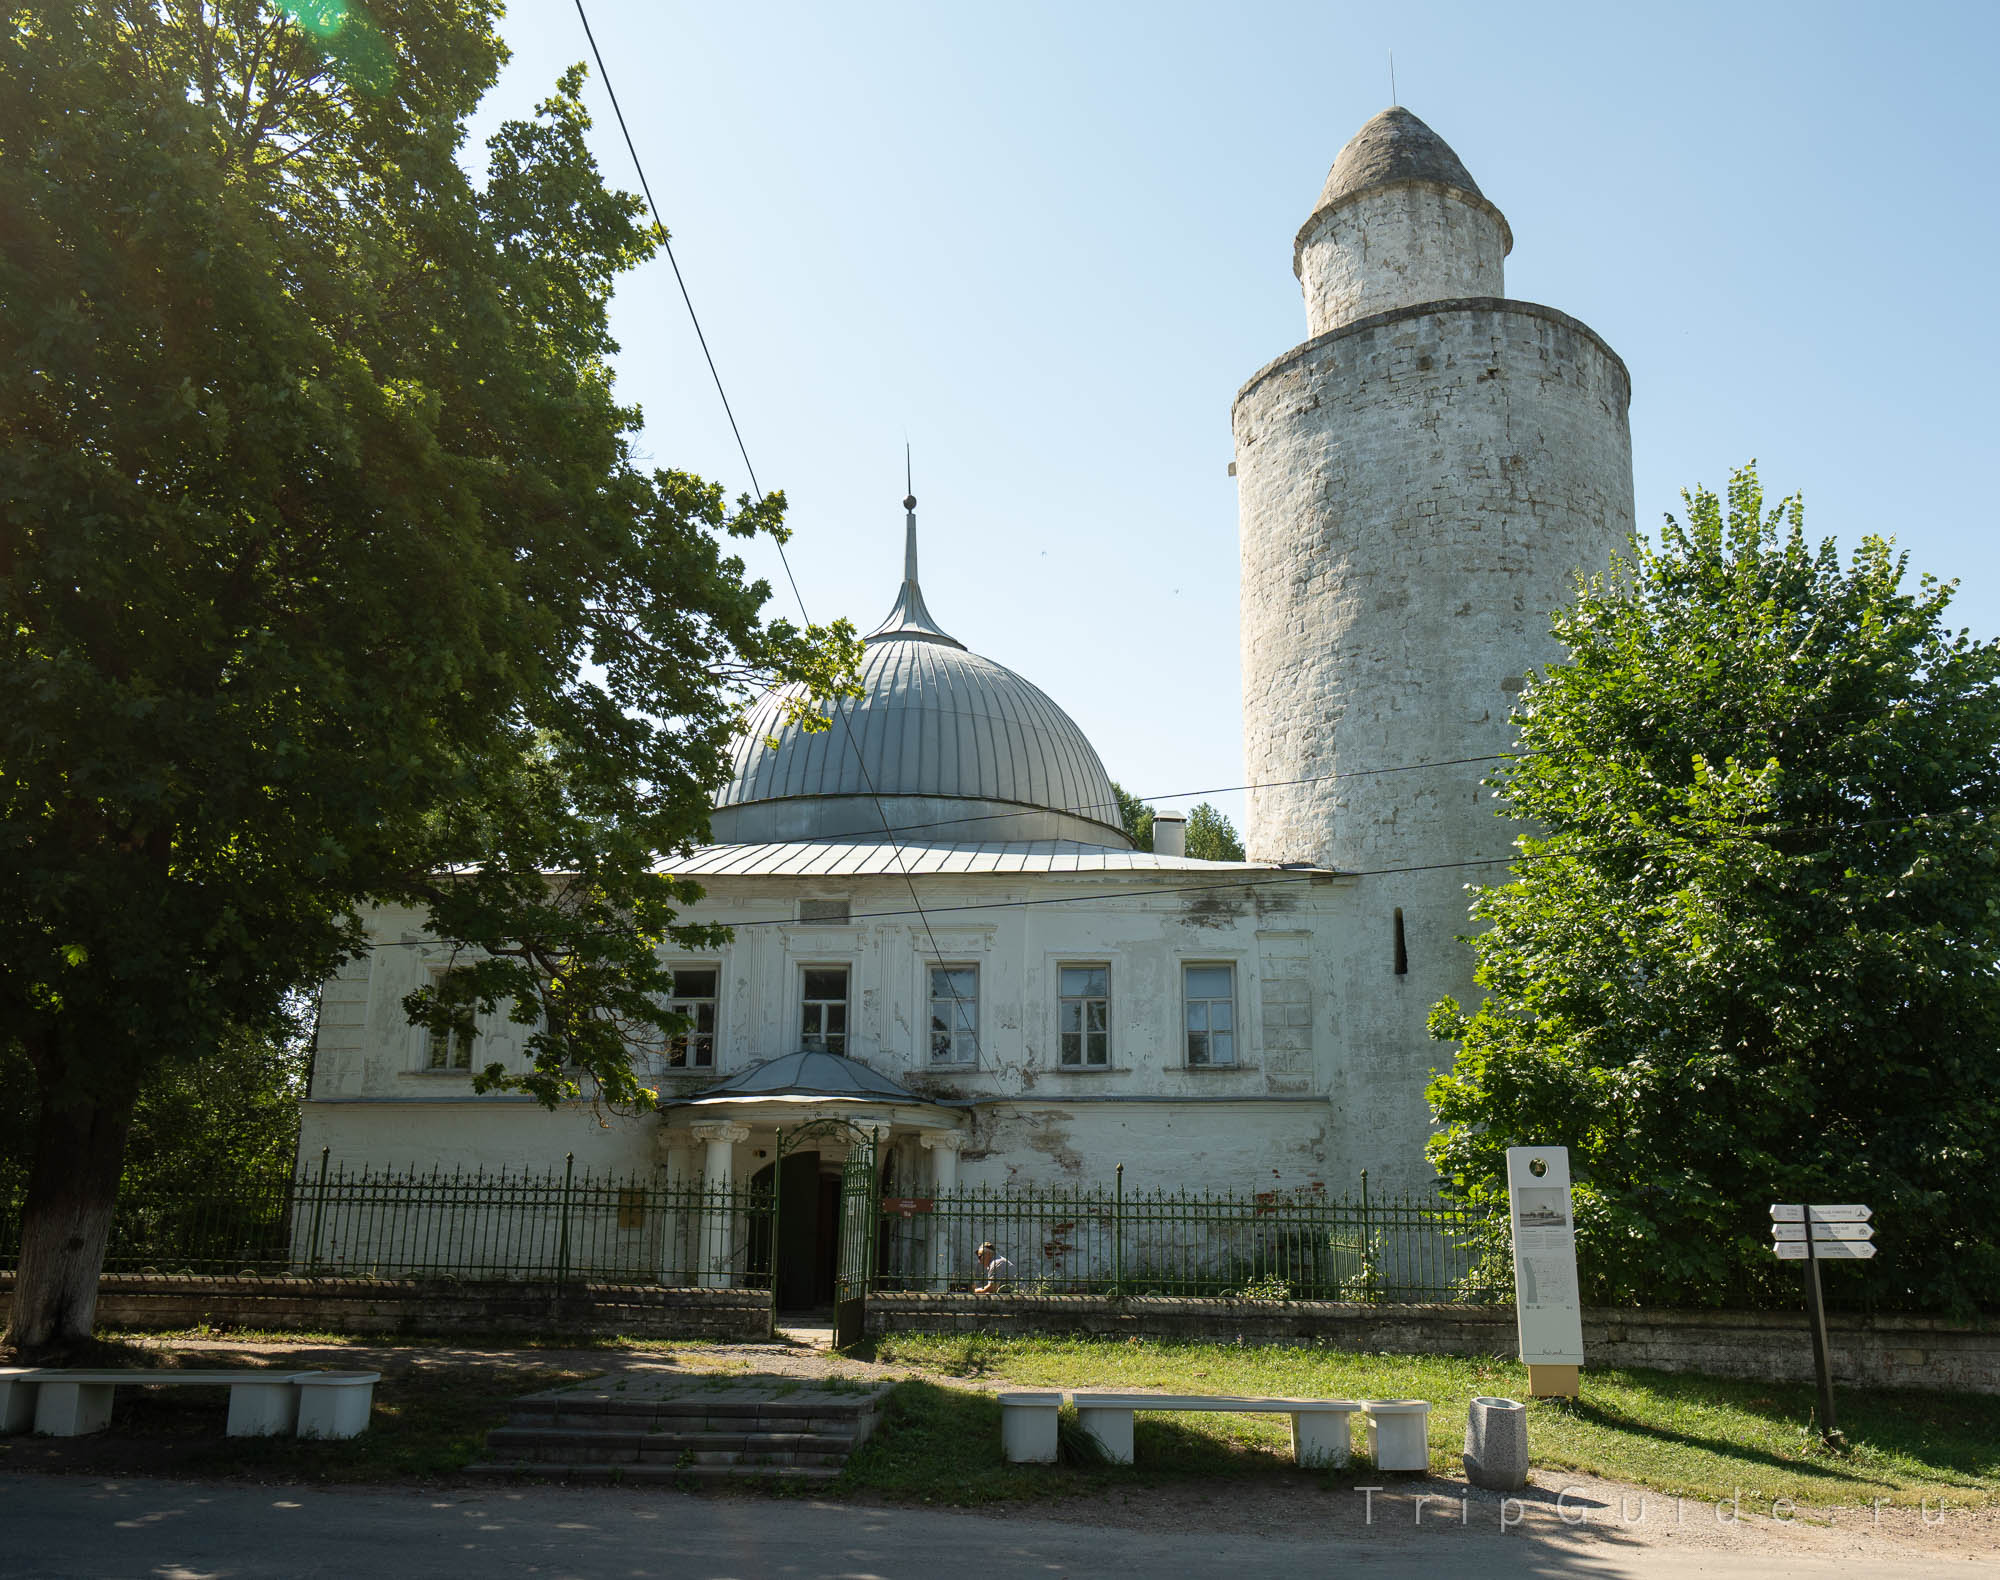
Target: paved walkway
[55,1528]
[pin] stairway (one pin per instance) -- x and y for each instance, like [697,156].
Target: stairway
[682,1432]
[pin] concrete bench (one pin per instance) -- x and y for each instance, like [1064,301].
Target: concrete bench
[1028,1427]
[71,1402]
[1320,1433]
[1399,1433]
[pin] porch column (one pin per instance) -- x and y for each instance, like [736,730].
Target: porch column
[943,1146]
[718,1233]
[677,1227]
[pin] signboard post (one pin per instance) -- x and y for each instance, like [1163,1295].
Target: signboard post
[1815,1234]
[1546,1306]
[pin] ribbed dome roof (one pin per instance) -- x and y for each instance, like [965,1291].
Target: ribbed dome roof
[933,721]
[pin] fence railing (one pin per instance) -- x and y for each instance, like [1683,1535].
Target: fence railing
[556,1227]
[1275,1245]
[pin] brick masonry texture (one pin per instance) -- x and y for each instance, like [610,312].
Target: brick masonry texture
[1397,247]
[1417,490]
[1892,1352]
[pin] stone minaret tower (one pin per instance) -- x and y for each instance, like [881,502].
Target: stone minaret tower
[1419,482]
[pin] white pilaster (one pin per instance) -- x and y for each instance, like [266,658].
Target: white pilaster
[718,1235]
[944,1147]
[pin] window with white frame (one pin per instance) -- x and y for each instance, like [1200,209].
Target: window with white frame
[1084,1017]
[823,1010]
[1209,996]
[954,1014]
[447,1050]
[694,998]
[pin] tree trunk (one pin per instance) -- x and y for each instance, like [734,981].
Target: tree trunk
[65,1224]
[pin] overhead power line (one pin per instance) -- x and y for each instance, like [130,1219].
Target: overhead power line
[666,245]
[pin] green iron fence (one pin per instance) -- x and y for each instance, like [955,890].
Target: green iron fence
[569,1225]
[558,1227]
[1273,1245]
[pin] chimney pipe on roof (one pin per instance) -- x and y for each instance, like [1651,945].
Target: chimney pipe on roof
[1169,834]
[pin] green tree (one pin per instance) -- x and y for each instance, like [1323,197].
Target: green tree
[201,1125]
[327,574]
[1211,836]
[1136,816]
[1749,953]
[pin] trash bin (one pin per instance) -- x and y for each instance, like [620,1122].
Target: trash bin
[1496,1444]
[1399,1433]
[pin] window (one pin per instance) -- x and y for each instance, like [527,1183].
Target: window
[823,911]
[1402,946]
[1085,1019]
[452,1050]
[954,1014]
[1209,993]
[694,997]
[823,1016]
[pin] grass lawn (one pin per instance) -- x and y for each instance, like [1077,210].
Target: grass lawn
[1681,1435]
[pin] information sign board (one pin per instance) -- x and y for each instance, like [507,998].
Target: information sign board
[1793,1212]
[1548,1313]
[1823,1232]
[1823,1250]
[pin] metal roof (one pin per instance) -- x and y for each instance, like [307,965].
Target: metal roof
[932,720]
[870,857]
[809,1074]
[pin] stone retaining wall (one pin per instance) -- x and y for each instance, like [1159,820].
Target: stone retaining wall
[343,1305]
[1881,1351]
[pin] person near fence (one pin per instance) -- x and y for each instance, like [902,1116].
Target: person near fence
[997,1268]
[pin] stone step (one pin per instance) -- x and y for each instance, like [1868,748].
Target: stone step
[569,1443]
[646,1473]
[696,1414]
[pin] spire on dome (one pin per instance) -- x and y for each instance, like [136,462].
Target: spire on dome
[910,620]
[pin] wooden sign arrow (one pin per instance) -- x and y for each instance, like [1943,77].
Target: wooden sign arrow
[1824,1250]
[1823,1232]
[1793,1213]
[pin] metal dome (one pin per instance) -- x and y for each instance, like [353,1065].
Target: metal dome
[940,740]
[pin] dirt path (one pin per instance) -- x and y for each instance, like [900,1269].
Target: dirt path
[1572,1514]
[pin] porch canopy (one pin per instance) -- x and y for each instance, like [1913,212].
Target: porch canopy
[796,1089]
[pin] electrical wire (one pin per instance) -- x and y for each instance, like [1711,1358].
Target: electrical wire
[666,245]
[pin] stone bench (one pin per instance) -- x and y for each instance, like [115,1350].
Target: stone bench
[72,1402]
[1320,1433]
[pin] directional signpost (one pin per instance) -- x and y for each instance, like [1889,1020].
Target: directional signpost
[1813,1235]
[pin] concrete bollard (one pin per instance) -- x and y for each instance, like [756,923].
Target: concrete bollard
[1496,1444]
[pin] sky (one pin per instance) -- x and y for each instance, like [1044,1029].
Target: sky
[1045,245]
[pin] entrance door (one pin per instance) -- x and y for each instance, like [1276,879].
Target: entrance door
[796,1268]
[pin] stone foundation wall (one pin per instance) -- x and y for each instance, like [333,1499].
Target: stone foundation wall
[342,1305]
[1883,1351]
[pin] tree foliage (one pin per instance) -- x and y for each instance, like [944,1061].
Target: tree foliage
[1211,836]
[1749,953]
[328,575]
[1135,816]
[227,1119]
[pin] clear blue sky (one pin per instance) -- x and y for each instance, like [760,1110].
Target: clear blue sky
[1048,243]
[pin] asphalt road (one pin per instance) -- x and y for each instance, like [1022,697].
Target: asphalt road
[77,1526]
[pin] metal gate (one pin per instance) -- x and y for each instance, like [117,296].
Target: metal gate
[859,1214]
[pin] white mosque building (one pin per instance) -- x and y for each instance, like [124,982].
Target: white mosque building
[940,930]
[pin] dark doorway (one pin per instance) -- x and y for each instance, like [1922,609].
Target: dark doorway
[808,1232]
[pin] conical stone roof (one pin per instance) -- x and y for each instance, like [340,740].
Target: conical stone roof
[1393,148]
